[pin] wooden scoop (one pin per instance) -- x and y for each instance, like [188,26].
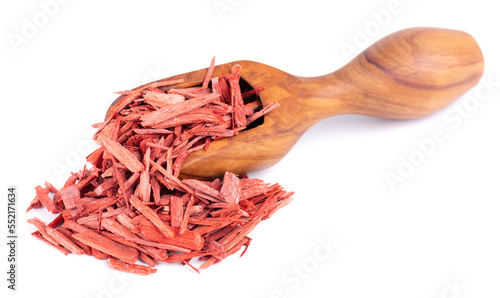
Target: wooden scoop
[406,75]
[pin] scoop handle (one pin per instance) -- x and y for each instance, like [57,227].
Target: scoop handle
[408,74]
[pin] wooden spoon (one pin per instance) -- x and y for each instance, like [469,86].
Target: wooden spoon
[408,74]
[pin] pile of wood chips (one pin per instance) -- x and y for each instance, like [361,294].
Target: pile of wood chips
[129,204]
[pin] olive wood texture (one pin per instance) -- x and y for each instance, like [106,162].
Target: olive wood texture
[408,74]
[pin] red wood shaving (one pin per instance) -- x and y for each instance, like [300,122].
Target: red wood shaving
[137,269]
[44,198]
[131,205]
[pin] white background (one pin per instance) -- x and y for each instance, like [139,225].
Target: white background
[437,234]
